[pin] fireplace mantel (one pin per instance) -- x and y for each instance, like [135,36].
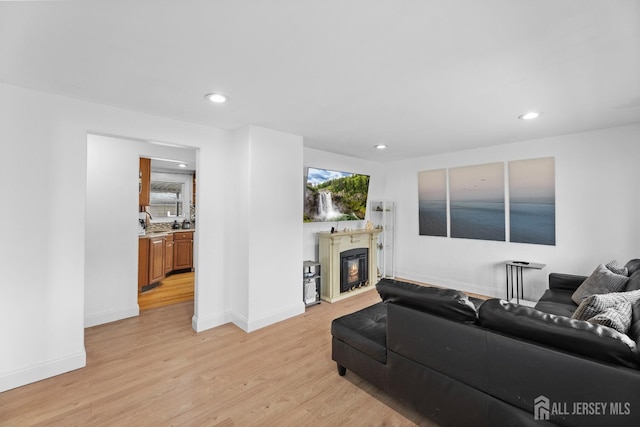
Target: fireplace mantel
[331,245]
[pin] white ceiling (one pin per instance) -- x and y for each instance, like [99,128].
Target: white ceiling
[423,76]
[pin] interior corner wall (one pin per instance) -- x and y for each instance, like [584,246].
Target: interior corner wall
[238,220]
[42,304]
[597,202]
[326,160]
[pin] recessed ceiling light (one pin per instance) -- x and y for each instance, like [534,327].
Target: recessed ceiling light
[182,165]
[217,98]
[380,146]
[529,116]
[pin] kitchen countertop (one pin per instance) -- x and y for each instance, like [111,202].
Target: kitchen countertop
[160,233]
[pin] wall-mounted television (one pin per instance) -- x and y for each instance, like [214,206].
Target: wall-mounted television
[334,195]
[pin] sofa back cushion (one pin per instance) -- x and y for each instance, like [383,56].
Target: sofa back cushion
[573,336]
[633,266]
[634,282]
[634,328]
[449,303]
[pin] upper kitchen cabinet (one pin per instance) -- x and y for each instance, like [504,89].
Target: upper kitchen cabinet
[145,181]
[193,194]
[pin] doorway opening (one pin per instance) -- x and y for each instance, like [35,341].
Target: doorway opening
[167,215]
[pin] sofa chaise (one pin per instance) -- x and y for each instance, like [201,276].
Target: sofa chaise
[465,361]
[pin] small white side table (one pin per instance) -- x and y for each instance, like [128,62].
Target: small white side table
[516,267]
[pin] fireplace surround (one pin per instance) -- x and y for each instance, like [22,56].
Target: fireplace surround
[348,258]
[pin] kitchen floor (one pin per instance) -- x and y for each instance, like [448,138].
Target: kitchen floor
[172,289]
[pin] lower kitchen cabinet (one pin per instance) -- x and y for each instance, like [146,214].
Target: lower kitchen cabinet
[160,255]
[168,253]
[143,263]
[183,250]
[156,259]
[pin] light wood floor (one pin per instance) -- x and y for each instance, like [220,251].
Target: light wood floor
[154,370]
[172,289]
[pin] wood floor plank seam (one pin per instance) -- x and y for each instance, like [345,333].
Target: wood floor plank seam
[154,370]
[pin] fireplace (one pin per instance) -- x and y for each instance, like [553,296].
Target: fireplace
[354,269]
[333,248]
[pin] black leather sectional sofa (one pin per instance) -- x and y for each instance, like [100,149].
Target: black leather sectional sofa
[463,361]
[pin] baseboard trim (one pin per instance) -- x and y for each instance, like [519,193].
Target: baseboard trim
[42,371]
[110,316]
[199,323]
[275,317]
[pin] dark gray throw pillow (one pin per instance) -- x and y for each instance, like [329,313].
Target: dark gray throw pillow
[601,281]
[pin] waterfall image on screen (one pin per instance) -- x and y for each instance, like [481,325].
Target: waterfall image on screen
[334,195]
[326,211]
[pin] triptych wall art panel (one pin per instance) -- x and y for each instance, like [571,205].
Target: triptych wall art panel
[432,201]
[475,202]
[532,201]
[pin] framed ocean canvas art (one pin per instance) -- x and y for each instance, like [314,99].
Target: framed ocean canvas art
[477,202]
[532,201]
[432,202]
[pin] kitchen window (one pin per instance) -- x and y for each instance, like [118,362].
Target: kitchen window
[170,196]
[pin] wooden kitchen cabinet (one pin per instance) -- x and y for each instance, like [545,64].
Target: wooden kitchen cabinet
[183,250]
[168,253]
[143,263]
[156,259]
[145,182]
[193,189]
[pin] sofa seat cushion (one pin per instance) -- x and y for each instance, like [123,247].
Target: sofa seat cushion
[449,303]
[557,302]
[364,330]
[560,332]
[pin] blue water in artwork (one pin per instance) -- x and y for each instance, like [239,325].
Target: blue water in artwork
[433,218]
[478,220]
[533,223]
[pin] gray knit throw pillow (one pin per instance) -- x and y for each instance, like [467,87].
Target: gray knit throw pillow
[617,269]
[617,317]
[612,309]
[601,281]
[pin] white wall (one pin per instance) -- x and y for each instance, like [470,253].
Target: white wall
[326,160]
[597,205]
[275,227]
[237,219]
[44,142]
[111,263]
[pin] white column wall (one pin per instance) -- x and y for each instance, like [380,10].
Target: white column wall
[275,227]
